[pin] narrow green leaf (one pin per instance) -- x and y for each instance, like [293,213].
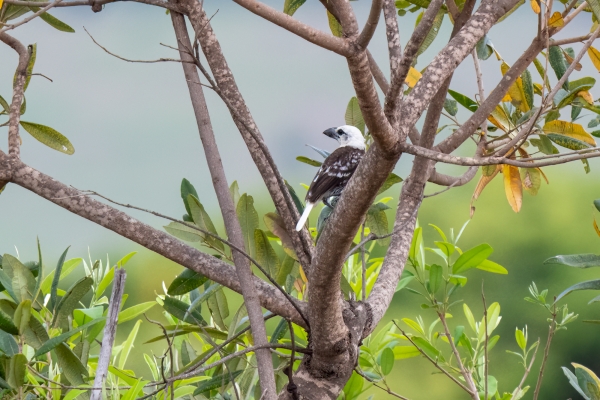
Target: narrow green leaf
[186,189]
[435,277]
[576,260]
[472,258]
[55,341]
[18,368]
[49,136]
[390,181]
[72,367]
[179,310]
[354,116]
[4,105]
[185,282]
[280,331]
[587,285]
[128,345]
[568,142]
[265,255]
[7,325]
[558,63]
[184,232]
[40,276]
[234,189]
[309,161]
[464,101]
[219,308]
[490,266]
[53,21]
[248,218]
[70,301]
[134,311]
[57,273]
[23,315]
[295,198]
[527,87]
[203,221]
[220,380]
[290,6]
[433,32]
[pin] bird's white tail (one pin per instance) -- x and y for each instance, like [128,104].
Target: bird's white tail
[304,216]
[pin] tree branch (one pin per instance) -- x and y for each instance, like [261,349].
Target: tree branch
[31,17]
[14,140]
[89,3]
[243,119]
[369,29]
[232,225]
[130,228]
[315,36]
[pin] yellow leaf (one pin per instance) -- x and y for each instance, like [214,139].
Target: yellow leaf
[483,181]
[586,95]
[544,176]
[595,57]
[516,92]
[596,227]
[506,98]
[535,6]
[556,20]
[1,3]
[413,77]
[513,186]
[569,129]
[499,118]
[302,274]
[537,88]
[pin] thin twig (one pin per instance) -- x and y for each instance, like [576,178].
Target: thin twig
[130,60]
[292,388]
[485,344]
[551,331]
[42,75]
[385,389]
[527,370]
[434,362]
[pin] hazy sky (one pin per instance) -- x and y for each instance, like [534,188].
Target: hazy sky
[132,125]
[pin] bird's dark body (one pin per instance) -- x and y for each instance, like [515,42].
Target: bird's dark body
[334,174]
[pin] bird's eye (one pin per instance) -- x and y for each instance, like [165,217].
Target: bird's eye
[340,131]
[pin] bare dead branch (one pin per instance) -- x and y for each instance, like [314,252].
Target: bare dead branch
[14,140]
[110,330]
[130,60]
[321,39]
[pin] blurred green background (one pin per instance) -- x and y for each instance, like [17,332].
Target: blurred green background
[136,138]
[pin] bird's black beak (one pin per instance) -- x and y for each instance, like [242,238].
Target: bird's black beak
[332,133]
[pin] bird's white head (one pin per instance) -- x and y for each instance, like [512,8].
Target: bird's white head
[347,135]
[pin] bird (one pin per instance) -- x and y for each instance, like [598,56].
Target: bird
[336,170]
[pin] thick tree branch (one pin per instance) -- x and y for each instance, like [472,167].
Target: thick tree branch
[447,180]
[393,38]
[226,83]
[14,140]
[322,39]
[232,225]
[72,200]
[369,29]
[400,71]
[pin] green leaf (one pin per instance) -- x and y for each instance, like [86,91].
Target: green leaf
[276,226]
[588,381]
[185,282]
[7,325]
[71,300]
[587,285]
[490,266]
[48,136]
[179,310]
[334,25]
[40,276]
[287,266]
[573,381]
[354,386]
[464,101]
[105,282]
[377,221]
[512,10]
[484,49]
[567,142]
[8,344]
[248,218]
[595,6]
[290,6]
[17,370]
[184,232]
[234,189]
[186,189]
[390,181]
[458,333]
[470,317]
[4,105]
[386,360]
[472,258]
[435,277]
[53,21]
[128,345]
[558,63]
[309,161]
[32,48]
[354,116]
[433,32]
[217,381]
[295,198]
[203,221]
[520,338]
[527,87]
[22,280]
[544,145]
[133,311]
[280,331]
[219,308]
[576,260]
[531,178]
[23,315]
[265,255]
[72,367]
[451,107]
[55,341]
